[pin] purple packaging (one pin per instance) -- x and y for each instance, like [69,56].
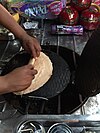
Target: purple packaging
[67,30]
[42,9]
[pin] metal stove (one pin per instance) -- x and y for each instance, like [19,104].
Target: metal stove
[56,115]
[14,122]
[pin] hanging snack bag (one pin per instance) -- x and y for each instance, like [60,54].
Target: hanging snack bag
[42,9]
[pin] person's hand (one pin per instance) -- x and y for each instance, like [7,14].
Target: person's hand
[31,45]
[19,79]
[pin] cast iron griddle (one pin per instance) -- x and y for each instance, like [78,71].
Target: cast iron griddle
[58,81]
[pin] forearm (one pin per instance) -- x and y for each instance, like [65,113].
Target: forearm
[29,43]
[8,21]
[3,86]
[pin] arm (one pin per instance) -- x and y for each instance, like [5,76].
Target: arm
[20,78]
[17,80]
[7,21]
[29,43]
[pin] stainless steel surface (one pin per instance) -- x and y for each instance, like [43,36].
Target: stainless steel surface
[59,127]
[77,123]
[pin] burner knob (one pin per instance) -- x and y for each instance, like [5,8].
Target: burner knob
[30,126]
[59,128]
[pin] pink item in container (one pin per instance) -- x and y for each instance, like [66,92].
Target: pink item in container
[56,7]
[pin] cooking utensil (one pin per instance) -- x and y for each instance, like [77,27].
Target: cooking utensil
[50,105]
[87,77]
[69,94]
[58,81]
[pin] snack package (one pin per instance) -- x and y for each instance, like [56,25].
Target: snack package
[42,9]
[67,30]
[31,25]
[96,2]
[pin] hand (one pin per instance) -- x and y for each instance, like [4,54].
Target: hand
[19,79]
[31,45]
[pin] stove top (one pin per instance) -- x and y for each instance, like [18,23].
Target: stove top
[84,120]
[52,123]
[68,110]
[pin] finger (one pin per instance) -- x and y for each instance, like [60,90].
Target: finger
[38,53]
[33,77]
[36,48]
[30,66]
[33,51]
[32,72]
[35,72]
[37,44]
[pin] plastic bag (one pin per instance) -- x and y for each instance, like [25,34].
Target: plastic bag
[42,9]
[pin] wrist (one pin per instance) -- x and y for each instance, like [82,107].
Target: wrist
[4,88]
[22,36]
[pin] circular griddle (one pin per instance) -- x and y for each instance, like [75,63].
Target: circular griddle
[58,81]
[69,94]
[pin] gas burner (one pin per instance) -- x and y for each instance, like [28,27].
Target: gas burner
[30,126]
[91,130]
[6,110]
[60,128]
[55,104]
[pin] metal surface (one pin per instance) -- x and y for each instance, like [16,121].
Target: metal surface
[60,128]
[30,126]
[77,123]
[56,104]
[56,84]
[59,79]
